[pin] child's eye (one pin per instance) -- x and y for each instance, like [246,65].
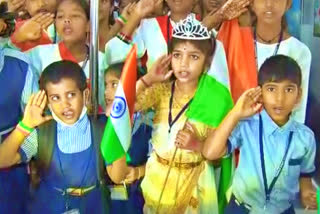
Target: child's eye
[114,85]
[176,55]
[70,95]
[55,98]
[194,57]
[59,17]
[270,89]
[289,90]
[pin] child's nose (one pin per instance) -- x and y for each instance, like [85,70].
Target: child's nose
[67,21]
[184,62]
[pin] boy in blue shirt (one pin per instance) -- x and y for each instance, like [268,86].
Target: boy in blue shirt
[276,153]
[66,145]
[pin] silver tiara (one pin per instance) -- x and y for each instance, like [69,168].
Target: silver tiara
[190,28]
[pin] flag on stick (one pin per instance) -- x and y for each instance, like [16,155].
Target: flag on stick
[117,134]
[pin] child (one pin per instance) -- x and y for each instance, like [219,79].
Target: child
[139,149]
[270,37]
[67,149]
[276,152]
[72,24]
[190,187]
[41,14]
[14,181]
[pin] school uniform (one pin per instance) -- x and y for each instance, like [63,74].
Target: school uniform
[152,38]
[17,83]
[138,151]
[73,163]
[259,136]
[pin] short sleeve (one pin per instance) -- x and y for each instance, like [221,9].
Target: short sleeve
[235,139]
[29,148]
[307,165]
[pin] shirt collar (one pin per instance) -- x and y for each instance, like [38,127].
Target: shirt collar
[80,124]
[269,126]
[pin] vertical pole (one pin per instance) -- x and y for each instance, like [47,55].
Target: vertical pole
[94,49]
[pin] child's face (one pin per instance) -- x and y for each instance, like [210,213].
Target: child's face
[104,9]
[37,6]
[270,11]
[111,81]
[71,22]
[188,62]
[66,100]
[279,99]
[181,6]
[212,5]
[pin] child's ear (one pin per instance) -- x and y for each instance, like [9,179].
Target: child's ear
[86,96]
[299,97]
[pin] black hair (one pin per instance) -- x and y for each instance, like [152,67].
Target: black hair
[82,3]
[279,68]
[118,67]
[64,69]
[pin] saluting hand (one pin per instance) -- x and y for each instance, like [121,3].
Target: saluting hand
[159,71]
[33,115]
[248,105]
[32,29]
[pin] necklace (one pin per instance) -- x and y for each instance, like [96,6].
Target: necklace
[268,41]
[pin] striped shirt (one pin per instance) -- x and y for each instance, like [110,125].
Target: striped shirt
[70,139]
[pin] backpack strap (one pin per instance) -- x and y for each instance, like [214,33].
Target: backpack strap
[97,129]
[46,140]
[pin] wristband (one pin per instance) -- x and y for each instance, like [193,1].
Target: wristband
[124,20]
[25,127]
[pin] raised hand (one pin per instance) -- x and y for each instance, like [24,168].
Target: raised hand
[187,139]
[126,12]
[15,5]
[145,7]
[159,71]
[234,8]
[248,105]
[33,115]
[32,29]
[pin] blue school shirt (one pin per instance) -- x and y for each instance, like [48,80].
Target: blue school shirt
[248,184]
[79,134]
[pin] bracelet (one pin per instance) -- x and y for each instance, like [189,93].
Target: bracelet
[24,126]
[125,38]
[145,83]
[124,20]
[120,21]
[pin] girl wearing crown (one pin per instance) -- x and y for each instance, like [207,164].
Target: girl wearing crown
[178,179]
[268,36]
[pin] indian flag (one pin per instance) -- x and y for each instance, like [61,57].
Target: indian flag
[117,134]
